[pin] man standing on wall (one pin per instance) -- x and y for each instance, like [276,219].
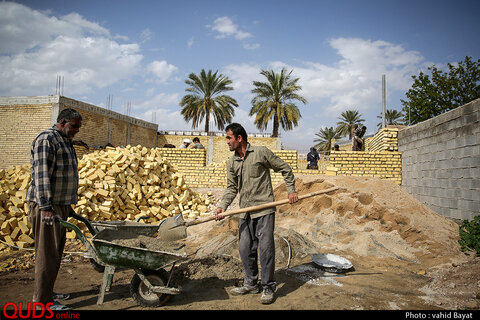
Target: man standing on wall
[248,173]
[53,189]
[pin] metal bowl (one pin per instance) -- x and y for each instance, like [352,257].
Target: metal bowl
[332,262]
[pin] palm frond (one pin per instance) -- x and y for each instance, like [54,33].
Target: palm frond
[273,101]
[206,99]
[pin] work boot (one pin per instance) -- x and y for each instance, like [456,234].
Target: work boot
[268,296]
[245,289]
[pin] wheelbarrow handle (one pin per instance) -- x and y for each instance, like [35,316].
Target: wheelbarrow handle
[90,249]
[90,228]
[260,207]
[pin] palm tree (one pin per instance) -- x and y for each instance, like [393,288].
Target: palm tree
[206,98]
[274,101]
[347,121]
[326,137]
[392,117]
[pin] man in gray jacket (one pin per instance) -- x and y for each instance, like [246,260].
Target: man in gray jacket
[248,174]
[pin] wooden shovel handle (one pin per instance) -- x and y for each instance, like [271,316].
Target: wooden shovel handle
[259,207]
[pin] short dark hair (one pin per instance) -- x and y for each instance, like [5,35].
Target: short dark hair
[196,139]
[237,130]
[68,114]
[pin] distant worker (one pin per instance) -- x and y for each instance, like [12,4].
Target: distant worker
[358,142]
[248,174]
[196,144]
[336,148]
[352,136]
[185,144]
[53,189]
[312,159]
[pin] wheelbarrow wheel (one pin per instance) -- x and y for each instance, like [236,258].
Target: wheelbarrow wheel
[140,293]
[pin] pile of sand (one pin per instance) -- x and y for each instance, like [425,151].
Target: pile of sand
[365,217]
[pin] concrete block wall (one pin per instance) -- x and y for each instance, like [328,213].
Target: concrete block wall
[441,161]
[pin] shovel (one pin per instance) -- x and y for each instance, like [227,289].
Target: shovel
[175,228]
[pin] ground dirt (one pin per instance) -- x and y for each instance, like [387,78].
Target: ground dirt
[405,257]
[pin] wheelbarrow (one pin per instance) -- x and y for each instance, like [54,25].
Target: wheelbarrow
[133,227]
[150,285]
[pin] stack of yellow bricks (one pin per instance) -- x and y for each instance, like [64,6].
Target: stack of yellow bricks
[385,140]
[15,228]
[115,184]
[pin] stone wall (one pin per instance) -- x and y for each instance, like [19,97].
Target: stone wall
[441,161]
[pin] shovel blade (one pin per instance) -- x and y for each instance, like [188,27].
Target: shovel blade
[172,229]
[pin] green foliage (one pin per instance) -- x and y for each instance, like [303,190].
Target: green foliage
[274,100]
[206,99]
[470,235]
[348,119]
[433,95]
[325,137]
[392,117]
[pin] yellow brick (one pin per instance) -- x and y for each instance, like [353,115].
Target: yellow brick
[102,192]
[26,239]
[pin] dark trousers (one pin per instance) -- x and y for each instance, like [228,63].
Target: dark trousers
[253,234]
[49,245]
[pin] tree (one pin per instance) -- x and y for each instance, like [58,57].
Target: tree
[326,137]
[274,100]
[348,119]
[431,96]
[392,117]
[206,99]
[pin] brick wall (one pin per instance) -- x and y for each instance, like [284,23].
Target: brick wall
[20,125]
[385,139]
[94,130]
[215,144]
[142,136]
[383,164]
[191,164]
[23,118]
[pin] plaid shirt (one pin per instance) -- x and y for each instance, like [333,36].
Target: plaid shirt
[54,169]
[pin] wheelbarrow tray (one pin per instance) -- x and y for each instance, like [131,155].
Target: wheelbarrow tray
[123,256]
[135,228]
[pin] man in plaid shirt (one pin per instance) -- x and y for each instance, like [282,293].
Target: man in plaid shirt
[53,189]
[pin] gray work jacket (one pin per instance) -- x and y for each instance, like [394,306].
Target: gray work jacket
[250,177]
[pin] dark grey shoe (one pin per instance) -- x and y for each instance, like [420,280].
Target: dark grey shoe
[268,296]
[245,289]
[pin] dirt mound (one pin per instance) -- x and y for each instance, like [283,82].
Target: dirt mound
[369,217]
[365,217]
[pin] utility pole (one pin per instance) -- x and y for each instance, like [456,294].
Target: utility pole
[383,101]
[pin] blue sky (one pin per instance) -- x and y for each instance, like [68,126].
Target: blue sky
[141,52]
